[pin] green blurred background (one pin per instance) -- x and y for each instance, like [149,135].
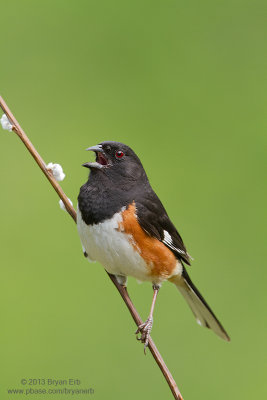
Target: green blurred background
[184,84]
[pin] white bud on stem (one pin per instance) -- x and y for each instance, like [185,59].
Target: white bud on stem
[62,205]
[6,124]
[57,171]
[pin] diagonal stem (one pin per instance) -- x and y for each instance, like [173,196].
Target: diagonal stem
[122,290]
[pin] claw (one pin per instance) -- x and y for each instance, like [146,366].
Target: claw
[145,330]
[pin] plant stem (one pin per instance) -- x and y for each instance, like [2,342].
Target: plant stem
[122,290]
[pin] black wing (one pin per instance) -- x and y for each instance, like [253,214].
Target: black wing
[154,219]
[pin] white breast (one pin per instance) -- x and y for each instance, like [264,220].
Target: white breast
[103,242]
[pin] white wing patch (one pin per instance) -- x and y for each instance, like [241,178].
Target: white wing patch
[168,241]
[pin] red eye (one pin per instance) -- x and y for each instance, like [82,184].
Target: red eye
[119,154]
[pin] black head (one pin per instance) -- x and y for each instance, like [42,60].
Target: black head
[114,160]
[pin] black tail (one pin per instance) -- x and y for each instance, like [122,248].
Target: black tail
[198,305]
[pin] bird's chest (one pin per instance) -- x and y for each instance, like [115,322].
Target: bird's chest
[114,249]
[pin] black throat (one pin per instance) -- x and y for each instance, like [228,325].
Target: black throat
[100,197]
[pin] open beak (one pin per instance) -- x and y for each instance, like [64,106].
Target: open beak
[96,148]
[101,161]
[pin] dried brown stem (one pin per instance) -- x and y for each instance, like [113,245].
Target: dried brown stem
[122,290]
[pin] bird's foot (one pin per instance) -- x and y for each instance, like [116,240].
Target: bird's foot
[145,329]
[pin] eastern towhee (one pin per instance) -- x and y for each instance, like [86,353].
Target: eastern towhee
[123,225]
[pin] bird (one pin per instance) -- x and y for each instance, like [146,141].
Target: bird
[124,226]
